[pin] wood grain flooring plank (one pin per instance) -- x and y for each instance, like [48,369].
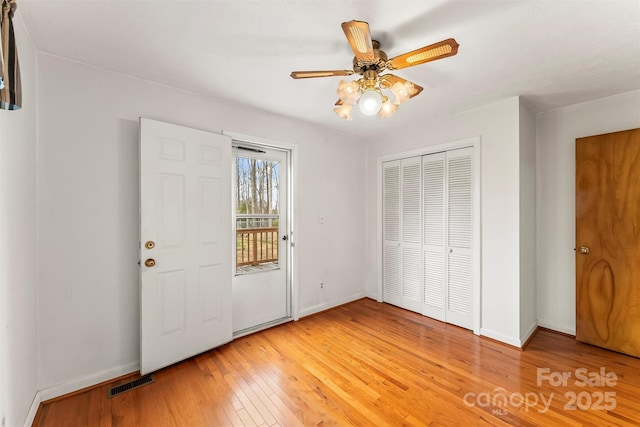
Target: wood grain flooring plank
[363,364]
[246,402]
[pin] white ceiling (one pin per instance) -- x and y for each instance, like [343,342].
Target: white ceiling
[554,53]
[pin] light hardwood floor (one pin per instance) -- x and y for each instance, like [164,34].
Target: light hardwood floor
[370,364]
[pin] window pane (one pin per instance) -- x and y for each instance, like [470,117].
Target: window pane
[257,214]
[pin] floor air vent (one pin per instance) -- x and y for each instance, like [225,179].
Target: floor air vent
[119,389]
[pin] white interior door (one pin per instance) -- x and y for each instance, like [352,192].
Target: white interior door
[459,308]
[392,274]
[185,285]
[401,233]
[434,218]
[411,249]
[261,288]
[427,232]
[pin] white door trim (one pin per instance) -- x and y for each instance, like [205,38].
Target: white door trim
[293,209]
[475,143]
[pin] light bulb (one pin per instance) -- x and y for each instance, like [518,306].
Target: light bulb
[370,102]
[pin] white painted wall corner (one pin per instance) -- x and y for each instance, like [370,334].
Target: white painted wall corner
[322,307]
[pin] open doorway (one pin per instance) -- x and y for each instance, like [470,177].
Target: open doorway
[261,288]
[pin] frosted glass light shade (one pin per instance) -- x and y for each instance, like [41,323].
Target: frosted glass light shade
[349,92]
[343,111]
[370,102]
[402,92]
[387,109]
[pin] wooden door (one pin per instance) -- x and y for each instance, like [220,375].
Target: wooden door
[185,221]
[608,241]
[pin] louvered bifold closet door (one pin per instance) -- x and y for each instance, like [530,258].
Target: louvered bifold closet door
[433,243]
[459,195]
[391,225]
[411,243]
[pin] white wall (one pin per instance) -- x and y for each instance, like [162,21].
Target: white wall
[498,126]
[528,312]
[557,131]
[88,178]
[18,297]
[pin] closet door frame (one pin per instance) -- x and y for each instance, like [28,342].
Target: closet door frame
[474,143]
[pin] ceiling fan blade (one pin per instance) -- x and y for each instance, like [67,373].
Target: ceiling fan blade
[388,80]
[443,49]
[359,38]
[326,73]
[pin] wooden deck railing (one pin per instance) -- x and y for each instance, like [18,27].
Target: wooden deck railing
[256,245]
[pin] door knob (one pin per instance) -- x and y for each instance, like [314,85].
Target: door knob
[584,250]
[284,237]
[150,244]
[150,262]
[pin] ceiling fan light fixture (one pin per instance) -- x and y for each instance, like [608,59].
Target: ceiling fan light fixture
[349,92]
[387,109]
[344,111]
[371,92]
[402,92]
[370,102]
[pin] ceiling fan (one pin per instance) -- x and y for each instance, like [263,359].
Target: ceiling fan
[370,62]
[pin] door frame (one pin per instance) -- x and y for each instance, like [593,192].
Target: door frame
[473,142]
[292,228]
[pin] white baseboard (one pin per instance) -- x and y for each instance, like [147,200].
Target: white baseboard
[89,380]
[373,296]
[500,337]
[527,335]
[33,410]
[554,327]
[326,306]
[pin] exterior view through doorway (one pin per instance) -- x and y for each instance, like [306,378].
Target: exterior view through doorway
[261,280]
